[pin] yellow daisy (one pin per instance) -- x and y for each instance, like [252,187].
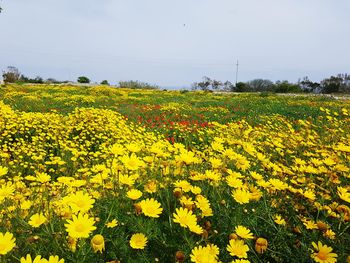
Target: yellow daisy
[7,243]
[151,207]
[243,232]
[80,226]
[134,194]
[236,247]
[323,253]
[37,220]
[138,241]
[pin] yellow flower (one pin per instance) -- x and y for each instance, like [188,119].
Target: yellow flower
[279,220]
[196,190]
[37,259]
[72,243]
[203,204]
[79,202]
[184,185]
[277,184]
[134,147]
[243,232]
[37,220]
[234,182]
[323,253]
[43,178]
[134,194]
[138,241]
[329,233]
[80,227]
[187,157]
[151,207]
[309,224]
[186,201]
[241,196]
[208,254]
[195,229]
[184,217]
[3,170]
[6,191]
[310,195]
[131,162]
[54,259]
[344,194]
[117,149]
[151,187]
[112,224]
[236,247]
[98,243]
[7,243]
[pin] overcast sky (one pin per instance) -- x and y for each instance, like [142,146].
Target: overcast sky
[174,43]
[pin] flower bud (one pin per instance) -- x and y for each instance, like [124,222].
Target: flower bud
[233,236]
[260,245]
[98,243]
[180,256]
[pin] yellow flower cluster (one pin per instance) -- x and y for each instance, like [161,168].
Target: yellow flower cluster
[90,183]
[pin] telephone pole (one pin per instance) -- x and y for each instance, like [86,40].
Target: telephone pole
[237,72]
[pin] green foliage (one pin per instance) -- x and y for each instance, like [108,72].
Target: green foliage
[83,79]
[241,87]
[11,75]
[332,84]
[260,85]
[286,87]
[131,84]
[104,82]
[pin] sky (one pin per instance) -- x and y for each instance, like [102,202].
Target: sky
[176,43]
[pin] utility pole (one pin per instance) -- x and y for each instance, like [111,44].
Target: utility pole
[237,72]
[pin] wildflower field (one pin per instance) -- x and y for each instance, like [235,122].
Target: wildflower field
[100,174]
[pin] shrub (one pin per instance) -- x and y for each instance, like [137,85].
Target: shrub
[83,79]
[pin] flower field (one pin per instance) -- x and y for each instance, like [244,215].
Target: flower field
[99,174]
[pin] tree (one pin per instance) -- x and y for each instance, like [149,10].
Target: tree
[241,87]
[104,82]
[307,85]
[332,84]
[228,86]
[204,85]
[216,84]
[285,87]
[345,87]
[11,75]
[83,79]
[132,84]
[260,85]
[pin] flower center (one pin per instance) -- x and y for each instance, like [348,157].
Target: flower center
[322,255]
[80,228]
[80,203]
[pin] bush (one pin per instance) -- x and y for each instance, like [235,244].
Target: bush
[11,75]
[104,82]
[286,87]
[83,79]
[131,84]
[241,87]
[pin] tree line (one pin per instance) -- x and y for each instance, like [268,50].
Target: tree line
[334,84]
[13,75]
